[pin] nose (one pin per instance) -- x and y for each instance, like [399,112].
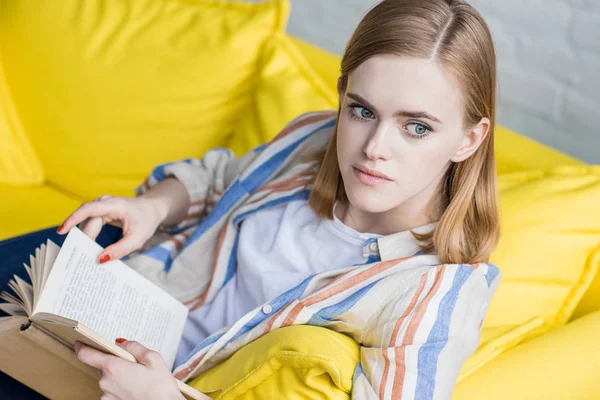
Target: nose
[376,146]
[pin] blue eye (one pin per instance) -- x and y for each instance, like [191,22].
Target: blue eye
[359,112]
[417,130]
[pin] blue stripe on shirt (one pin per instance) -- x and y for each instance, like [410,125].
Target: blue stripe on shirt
[438,337]
[325,315]
[232,265]
[158,253]
[234,193]
[276,304]
[358,371]
[492,274]
[206,342]
[258,177]
[231,196]
[237,190]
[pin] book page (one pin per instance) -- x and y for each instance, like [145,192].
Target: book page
[44,269]
[111,298]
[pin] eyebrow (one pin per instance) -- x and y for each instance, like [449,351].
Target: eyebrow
[400,113]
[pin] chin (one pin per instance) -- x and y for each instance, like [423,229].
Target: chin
[368,201]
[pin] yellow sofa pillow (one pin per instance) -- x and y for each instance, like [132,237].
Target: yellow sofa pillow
[286,87]
[107,90]
[494,341]
[295,362]
[549,248]
[516,152]
[561,364]
[310,362]
[18,163]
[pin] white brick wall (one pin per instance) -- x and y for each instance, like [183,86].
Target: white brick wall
[548,59]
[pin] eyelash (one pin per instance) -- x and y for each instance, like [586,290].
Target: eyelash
[352,106]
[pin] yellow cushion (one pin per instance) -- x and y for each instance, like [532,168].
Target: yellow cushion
[308,362]
[286,87]
[549,248]
[19,164]
[495,341]
[295,362]
[106,91]
[515,153]
[561,364]
[27,209]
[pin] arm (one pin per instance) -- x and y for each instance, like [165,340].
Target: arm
[186,191]
[203,180]
[418,342]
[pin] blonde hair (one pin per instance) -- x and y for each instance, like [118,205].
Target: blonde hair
[455,35]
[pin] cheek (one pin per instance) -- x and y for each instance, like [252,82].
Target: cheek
[417,166]
[348,139]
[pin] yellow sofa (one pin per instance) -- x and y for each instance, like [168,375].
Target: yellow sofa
[94,94]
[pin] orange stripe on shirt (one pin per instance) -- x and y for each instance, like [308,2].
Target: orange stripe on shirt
[340,287]
[306,121]
[199,300]
[181,375]
[409,337]
[399,365]
[358,278]
[287,183]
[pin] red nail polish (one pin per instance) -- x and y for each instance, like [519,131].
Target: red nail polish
[104,258]
[60,228]
[119,340]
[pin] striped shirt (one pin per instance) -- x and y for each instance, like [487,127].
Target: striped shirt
[416,320]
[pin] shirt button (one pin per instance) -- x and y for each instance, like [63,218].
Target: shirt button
[267,309]
[373,246]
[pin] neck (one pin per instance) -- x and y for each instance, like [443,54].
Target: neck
[398,219]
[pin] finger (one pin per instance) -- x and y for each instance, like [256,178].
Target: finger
[121,248]
[92,227]
[90,356]
[116,222]
[144,355]
[92,209]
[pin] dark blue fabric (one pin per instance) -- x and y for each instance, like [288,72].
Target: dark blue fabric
[13,253]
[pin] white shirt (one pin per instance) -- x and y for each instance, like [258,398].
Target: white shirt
[278,248]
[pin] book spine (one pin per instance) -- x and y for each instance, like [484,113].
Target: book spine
[33,358]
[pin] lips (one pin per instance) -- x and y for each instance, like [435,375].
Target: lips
[373,172]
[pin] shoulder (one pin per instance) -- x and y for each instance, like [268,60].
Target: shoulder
[301,136]
[461,292]
[307,124]
[445,289]
[476,281]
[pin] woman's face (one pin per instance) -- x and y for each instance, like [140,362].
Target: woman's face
[401,117]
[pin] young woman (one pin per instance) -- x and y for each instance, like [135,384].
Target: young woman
[376,220]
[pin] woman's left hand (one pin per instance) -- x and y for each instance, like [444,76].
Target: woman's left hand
[120,379]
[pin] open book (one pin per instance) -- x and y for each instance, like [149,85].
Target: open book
[74,298]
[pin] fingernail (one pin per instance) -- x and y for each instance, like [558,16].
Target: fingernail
[60,228]
[104,258]
[120,340]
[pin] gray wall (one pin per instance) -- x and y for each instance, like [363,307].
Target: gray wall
[548,61]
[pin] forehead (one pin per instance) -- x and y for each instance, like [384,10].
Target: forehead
[392,83]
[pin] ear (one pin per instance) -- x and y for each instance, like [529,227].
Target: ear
[472,140]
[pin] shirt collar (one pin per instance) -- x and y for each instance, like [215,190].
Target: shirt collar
[399,244]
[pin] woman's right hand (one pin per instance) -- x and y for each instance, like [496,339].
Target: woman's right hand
[139,218]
